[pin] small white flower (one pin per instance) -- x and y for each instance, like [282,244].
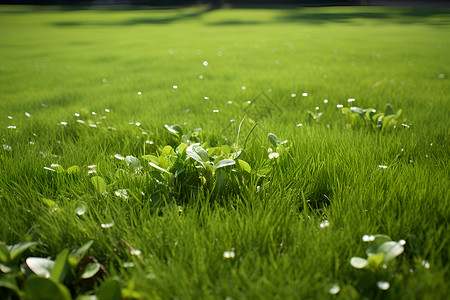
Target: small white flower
[334,289]
[121,193]
[425,264]
[368,238]
[119,157]
[228,254]
[128,264]
[108,225]
[324,224]
[273,155]
[136,252]
[383,285]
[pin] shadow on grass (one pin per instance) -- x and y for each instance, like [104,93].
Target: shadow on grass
[26,9]
[403,16]
[138,21]
[42,8]
[429,16]
[320,18]
[68,23]
[236,22]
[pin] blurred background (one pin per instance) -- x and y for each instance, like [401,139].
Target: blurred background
[225,3]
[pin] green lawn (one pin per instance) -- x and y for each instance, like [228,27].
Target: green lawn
[78,87]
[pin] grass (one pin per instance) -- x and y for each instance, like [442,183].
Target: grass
[55,63]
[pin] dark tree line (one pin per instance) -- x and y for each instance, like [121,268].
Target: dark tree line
[214,3]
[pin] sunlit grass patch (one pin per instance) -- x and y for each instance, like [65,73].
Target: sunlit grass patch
[206,154]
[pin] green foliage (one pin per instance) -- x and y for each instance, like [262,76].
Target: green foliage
[275,153]
[273,140]
[99,184]
[110,290]
[42,278]
[77,254]
[315,116]
[42,266]
[37,288]
[186,138]
[381,252]
[370,118]
[61,268]
[190,167]
[15,251]
[90,270]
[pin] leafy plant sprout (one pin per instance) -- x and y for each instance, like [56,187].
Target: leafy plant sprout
[44,278]
[371,118]
[381,252]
